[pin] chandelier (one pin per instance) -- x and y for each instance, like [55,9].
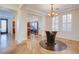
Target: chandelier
[52,12]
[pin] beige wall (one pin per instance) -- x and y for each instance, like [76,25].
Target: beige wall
[74,34]
[48,23]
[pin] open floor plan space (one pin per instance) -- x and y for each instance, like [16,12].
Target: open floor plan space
[32,46]
[39,29]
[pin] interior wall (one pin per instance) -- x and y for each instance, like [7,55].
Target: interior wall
[48,23]
[41,25]
[21,24]
[40,18]
[10,26]
[9,16]
[74,33]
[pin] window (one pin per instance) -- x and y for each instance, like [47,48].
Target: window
[55,23]
[67,22]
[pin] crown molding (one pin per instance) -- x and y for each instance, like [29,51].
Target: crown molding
[33,11]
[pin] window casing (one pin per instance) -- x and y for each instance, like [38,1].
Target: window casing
[55,25]
[66,22]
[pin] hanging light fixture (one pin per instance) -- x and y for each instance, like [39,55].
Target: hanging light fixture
[52,12]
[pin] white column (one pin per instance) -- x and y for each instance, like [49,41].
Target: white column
[21,27]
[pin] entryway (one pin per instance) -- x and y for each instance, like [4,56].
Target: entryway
[6,39]
[3,26]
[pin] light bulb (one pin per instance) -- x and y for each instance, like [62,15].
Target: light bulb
[56,14]
[53,13]
[49,15]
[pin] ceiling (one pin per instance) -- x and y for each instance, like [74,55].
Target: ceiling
[46,7]
[8,10]
[39,7]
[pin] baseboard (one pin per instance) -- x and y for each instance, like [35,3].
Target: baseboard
[67,38]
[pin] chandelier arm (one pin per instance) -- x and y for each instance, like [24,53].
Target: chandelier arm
[52,7]
[52,12]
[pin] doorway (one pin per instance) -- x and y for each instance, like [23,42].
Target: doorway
[32,28]
[3,26]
